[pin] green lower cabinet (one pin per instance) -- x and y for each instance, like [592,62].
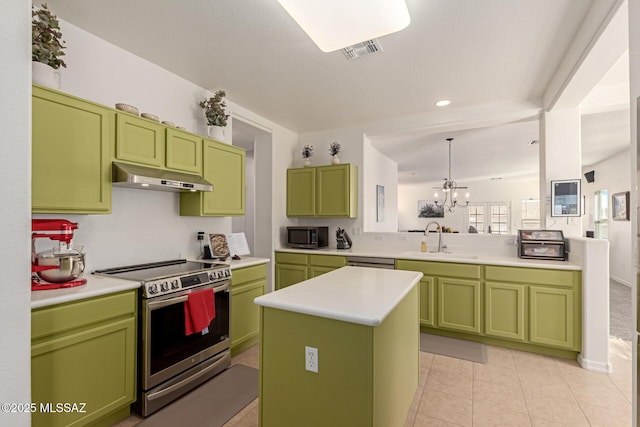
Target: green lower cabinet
[292,268]
[530,309]
[290,274]
[551,320]
[246,284]
[504,311]
[427,301]
[84,354]
[458,304]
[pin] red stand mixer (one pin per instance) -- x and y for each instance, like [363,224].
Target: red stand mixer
[59,267]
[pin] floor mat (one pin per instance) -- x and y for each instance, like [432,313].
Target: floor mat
[453,347]
[213,403]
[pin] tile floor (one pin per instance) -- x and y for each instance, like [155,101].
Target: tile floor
[513,389]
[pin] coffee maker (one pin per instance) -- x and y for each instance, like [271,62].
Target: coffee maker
[61,266]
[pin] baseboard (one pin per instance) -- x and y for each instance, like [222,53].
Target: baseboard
[620,281]
[594,366]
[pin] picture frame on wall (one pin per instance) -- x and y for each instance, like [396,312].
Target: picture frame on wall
[620,206]
[566,198]
[429,209]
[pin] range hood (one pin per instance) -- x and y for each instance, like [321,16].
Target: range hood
[134,176]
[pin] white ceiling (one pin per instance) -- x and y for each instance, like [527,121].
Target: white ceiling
[474,53]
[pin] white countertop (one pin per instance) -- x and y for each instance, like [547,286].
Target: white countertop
[352,294]
[95,286]
[103,285]
[466,257]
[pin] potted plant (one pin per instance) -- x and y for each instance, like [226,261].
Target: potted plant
[214,111]
[334,149]
[47,47]
[307,152]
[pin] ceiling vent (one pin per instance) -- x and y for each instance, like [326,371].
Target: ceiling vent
[365,48]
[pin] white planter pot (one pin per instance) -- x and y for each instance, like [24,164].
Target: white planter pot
[216,132]
[306,162]
[45,75]
[335,160]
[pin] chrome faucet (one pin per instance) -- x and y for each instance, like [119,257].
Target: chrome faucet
[426,230]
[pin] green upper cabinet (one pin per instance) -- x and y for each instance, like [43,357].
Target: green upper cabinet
[184,151]
[71,154]
[337,191]
[301,192]
[224,167]
[323,191]
[140,140]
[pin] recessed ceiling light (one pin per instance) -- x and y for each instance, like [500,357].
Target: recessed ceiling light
[443,103]
[497,178]
[532,142]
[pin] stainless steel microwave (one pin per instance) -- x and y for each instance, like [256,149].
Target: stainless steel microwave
[307,237]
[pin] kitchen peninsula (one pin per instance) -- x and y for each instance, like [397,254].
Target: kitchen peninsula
[363,325]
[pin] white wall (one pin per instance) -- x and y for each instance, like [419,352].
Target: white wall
[378,169]
[15,174]
[145,225]
[512,192]
[612,174]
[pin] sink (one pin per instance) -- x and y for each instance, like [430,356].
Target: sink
[436,255]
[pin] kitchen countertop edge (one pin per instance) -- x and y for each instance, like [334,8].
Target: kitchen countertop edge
[95,286]
[483,259]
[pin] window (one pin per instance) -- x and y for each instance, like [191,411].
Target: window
[490,218]
[530,215]
[601,214]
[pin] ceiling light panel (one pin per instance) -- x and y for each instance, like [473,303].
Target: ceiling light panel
[336,24]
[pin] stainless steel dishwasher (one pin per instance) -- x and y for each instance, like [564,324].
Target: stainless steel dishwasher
[373,262]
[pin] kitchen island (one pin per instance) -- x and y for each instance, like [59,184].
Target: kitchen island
[363,323]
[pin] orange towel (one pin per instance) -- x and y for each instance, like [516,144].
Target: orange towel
[199,311]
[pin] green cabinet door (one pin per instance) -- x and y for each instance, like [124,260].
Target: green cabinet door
[551,316]
[337,191]
[504,310]
[71,154]
[184,151]
[140,140]
[323,191]
[224,167]
[247,284]
[459,305]
[427,301]
[301,192]
[290,274]
[85,352]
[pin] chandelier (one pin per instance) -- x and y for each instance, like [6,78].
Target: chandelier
[450,190]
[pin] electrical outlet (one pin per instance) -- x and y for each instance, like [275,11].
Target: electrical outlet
[311,359]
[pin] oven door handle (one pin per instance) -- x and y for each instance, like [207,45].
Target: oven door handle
[171,388]
[152,305]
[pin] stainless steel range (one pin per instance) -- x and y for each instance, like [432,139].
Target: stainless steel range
[171,362]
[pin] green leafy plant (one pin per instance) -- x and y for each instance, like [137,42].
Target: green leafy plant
[307,151]
[46,36]
[214,109]
[334,148]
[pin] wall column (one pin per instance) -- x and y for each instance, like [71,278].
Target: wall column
[559,160]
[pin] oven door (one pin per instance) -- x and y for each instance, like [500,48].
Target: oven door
[166,350]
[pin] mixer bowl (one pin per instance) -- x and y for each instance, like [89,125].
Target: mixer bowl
[70,265]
